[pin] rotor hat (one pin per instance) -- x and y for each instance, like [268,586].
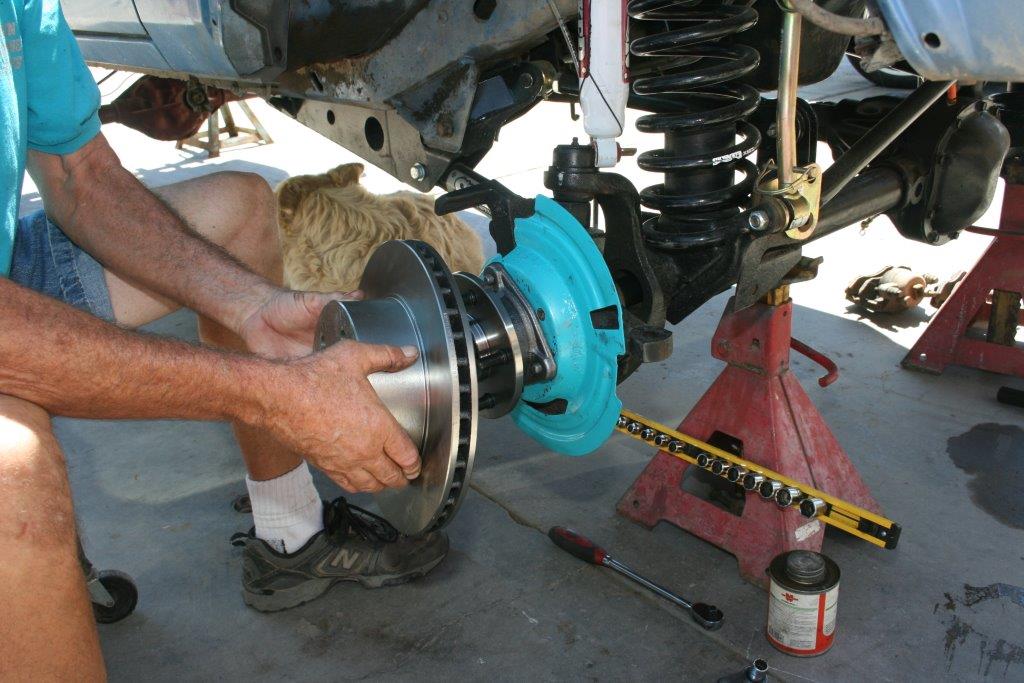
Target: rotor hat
[385,321]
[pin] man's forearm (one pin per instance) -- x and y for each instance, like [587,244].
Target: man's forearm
[111,215]
[73,364]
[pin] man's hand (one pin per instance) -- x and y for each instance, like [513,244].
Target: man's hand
[283,326]
[324,407]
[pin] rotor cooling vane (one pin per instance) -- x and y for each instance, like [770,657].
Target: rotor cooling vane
[536,335]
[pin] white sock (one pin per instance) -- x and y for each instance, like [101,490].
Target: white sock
[286,510]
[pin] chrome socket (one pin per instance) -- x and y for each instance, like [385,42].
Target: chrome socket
[703,459]
[752,481]
[648,434]
[735,473]
[786,495]
[661,439]
[675,446]
[812,507]
[719,466]
[634,427]
[768,488]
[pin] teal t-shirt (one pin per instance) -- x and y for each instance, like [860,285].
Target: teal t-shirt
[48,99]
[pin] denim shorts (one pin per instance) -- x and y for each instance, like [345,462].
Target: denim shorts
[46,260]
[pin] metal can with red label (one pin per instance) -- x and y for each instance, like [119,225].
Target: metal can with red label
[802,600]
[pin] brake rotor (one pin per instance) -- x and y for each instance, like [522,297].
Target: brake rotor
[536,336]
[411,300]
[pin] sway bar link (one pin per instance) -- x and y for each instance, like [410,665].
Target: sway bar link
[786,492]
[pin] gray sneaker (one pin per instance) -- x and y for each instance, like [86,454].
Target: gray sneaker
[355,545]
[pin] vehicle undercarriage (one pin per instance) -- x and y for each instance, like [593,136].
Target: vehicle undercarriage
[421,89]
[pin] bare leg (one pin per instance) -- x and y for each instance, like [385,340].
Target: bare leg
[47,630]
[236,211]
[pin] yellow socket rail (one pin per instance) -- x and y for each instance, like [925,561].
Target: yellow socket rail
[811,502]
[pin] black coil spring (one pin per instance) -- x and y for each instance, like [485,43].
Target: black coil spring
[685,81]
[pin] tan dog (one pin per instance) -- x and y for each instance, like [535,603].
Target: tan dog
[330,225]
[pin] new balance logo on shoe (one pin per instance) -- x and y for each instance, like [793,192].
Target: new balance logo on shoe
[345,558]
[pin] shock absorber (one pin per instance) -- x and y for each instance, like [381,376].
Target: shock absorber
[687,80]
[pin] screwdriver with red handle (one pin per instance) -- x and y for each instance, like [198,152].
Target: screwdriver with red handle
[708,616]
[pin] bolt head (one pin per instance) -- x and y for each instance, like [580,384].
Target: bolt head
[418,172]
[758,221]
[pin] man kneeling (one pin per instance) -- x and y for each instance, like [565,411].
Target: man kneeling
[108,256]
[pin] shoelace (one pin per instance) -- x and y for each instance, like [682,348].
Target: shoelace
[341,521]
[346,520]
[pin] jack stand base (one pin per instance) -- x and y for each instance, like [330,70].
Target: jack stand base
[212,141]
[759,402]
[998,275]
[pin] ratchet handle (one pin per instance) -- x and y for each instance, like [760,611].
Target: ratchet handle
[577,545]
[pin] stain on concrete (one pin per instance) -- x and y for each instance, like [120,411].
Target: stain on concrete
[568,631]
[995,655]
[949,605]
[956,634]
[322,634]
[992,652]
[975,594]
[993,454]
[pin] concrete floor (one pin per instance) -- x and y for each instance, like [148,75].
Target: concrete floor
[940,455]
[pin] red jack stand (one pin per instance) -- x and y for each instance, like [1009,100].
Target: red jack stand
[998,274]
[758,401]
